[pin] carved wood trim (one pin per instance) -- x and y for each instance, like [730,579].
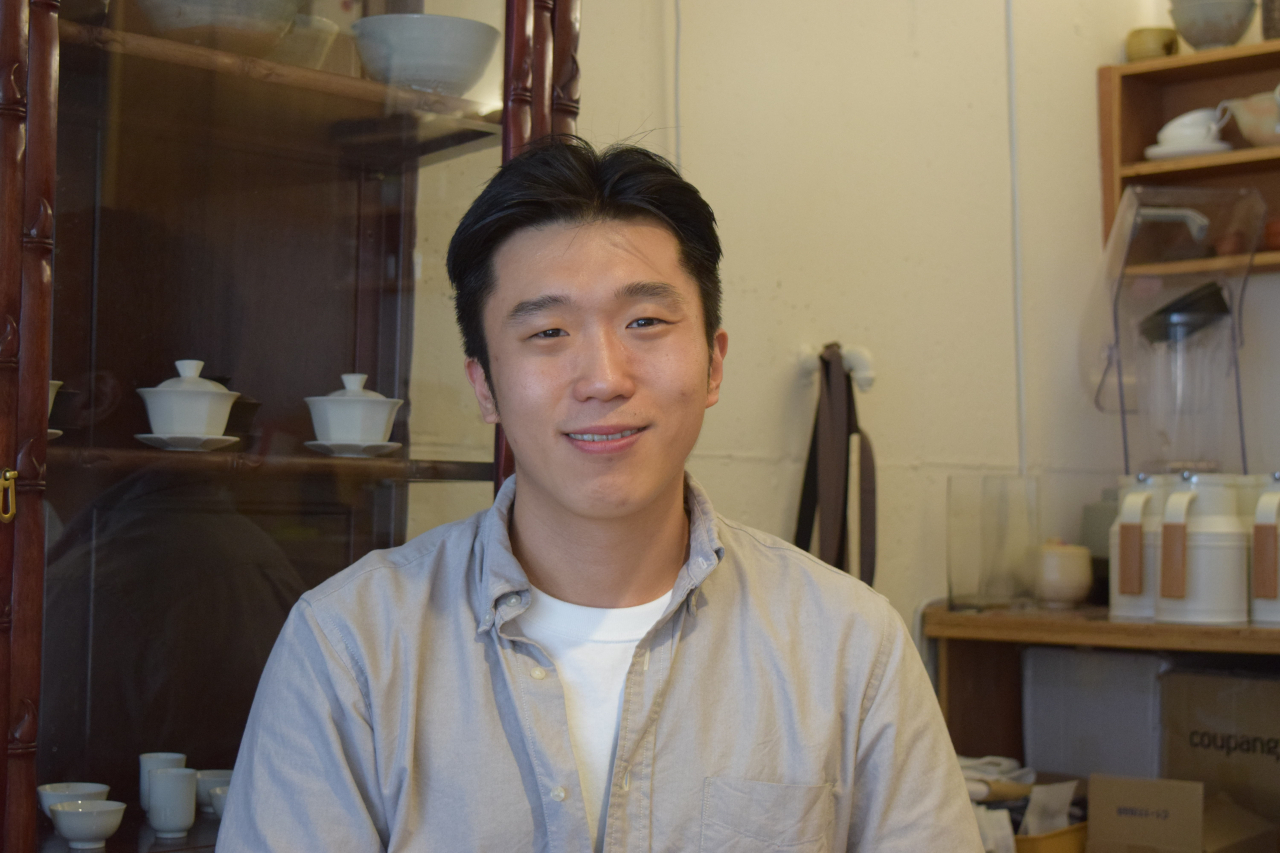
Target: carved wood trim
[540,63]
[40,232]
[10,340]
[517,79]
[12,102]
[565,73]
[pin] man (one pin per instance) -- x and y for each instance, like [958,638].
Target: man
[599,661]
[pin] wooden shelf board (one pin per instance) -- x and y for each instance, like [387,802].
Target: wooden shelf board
[1239,160]
[1091,627]
[177,89]
[378,468]
[1203,64]
[1262,262]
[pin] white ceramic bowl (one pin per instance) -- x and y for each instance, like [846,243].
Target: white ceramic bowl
[206,780]
[1212,23]
[353,420]
[218,797]
[436,53]
[64,792]
[188,405]
[87,824]
[251,27]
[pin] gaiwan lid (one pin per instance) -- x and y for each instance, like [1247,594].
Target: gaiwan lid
[353,386]
[188,378]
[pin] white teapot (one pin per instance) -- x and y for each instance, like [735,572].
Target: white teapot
[354,414]
[188,405]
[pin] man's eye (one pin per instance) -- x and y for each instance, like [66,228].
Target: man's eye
[551,333]
[644,323]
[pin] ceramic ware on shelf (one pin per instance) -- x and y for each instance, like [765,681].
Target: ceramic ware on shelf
[250,27]
[1150,43]
[435,53]
[65,792]
[1270,19]
[1204,570]
[87,824]
[149,761]
[1064,575]
[1212,23]
[1257,116]
[218,799]
[171,803]
[206,780]
[188,405]
[1265,580]
[353,449]
[353,415]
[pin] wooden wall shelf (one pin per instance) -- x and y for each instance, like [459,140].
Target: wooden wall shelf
[1135,100]
[265,105]
[1091,627]
[1262,262]
[381,468]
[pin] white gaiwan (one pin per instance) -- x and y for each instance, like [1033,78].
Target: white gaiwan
[354,415]
[188,405]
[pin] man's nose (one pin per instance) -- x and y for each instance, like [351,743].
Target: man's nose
[605,370]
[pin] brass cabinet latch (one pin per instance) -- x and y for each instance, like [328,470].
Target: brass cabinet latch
[8,495]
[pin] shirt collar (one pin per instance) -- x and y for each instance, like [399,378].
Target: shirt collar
[500,588]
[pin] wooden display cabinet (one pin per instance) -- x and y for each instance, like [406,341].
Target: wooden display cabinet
[158,201]
[1135,101]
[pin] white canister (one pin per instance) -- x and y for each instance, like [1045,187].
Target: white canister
[1265,590]
[1204,568]
[1134,571]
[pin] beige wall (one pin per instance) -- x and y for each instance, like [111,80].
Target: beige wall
[864,162]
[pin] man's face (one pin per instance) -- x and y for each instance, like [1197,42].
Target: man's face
[599,364]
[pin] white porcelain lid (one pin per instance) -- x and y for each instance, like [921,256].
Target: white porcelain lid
[353,386]
[188,378]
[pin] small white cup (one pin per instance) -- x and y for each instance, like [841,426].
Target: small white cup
[1192,128]
[218,796]
[151,761]
[207,780]
[173,801]
[1066,573]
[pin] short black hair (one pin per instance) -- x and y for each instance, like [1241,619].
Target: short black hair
[563,179]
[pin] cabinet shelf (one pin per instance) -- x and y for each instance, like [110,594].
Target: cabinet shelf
[1262,262]
[249,464]
[1240,160]
[1091,627]
[245,102]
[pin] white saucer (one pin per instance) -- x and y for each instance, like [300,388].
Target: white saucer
[187,442]
[1165,152]
[50,435]
[353,449]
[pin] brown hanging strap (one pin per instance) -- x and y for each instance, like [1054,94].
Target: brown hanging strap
[825,493]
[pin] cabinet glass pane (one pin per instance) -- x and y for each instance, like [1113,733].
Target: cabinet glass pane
[285,225]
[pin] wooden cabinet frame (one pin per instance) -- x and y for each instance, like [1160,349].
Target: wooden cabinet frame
[540,96]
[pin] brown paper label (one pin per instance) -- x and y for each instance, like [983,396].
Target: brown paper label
[1131,559]
[1173,561]
[1265,568]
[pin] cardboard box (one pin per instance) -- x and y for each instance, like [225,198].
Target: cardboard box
[1171,816]
[1223,730]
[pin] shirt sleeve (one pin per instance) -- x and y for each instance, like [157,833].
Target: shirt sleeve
[909,792]
[305,778]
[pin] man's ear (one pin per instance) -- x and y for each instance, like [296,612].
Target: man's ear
[719,349]
[484,394]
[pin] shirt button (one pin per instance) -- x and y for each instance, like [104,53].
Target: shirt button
[539,673]
[511,600]
[557,794]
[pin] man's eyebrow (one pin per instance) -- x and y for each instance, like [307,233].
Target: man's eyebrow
[537,305]
[658,291]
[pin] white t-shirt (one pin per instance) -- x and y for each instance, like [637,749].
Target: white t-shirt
[591,648]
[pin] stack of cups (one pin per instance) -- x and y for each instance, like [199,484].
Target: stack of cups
[168,793]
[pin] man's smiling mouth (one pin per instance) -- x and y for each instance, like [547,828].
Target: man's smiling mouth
[590,436]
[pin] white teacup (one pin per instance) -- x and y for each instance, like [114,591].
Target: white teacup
[206,780]
[149,761]
[1192,128]
[172,801]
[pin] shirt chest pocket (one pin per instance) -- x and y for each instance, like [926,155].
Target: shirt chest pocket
[739,816]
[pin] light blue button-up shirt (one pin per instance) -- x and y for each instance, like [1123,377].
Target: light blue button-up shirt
[778,704]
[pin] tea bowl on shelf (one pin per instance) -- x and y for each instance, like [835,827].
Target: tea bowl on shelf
[206,781]
[218,798]
[1150,43]
[64,792]
[1212,23]
[250,27]
[188,405]
[435,53]
[353,414]
[87,824]
[1257,117]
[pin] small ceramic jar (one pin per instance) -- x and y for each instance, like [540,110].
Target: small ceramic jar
[188,405]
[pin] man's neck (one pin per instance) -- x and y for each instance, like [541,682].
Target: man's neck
[615,562]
